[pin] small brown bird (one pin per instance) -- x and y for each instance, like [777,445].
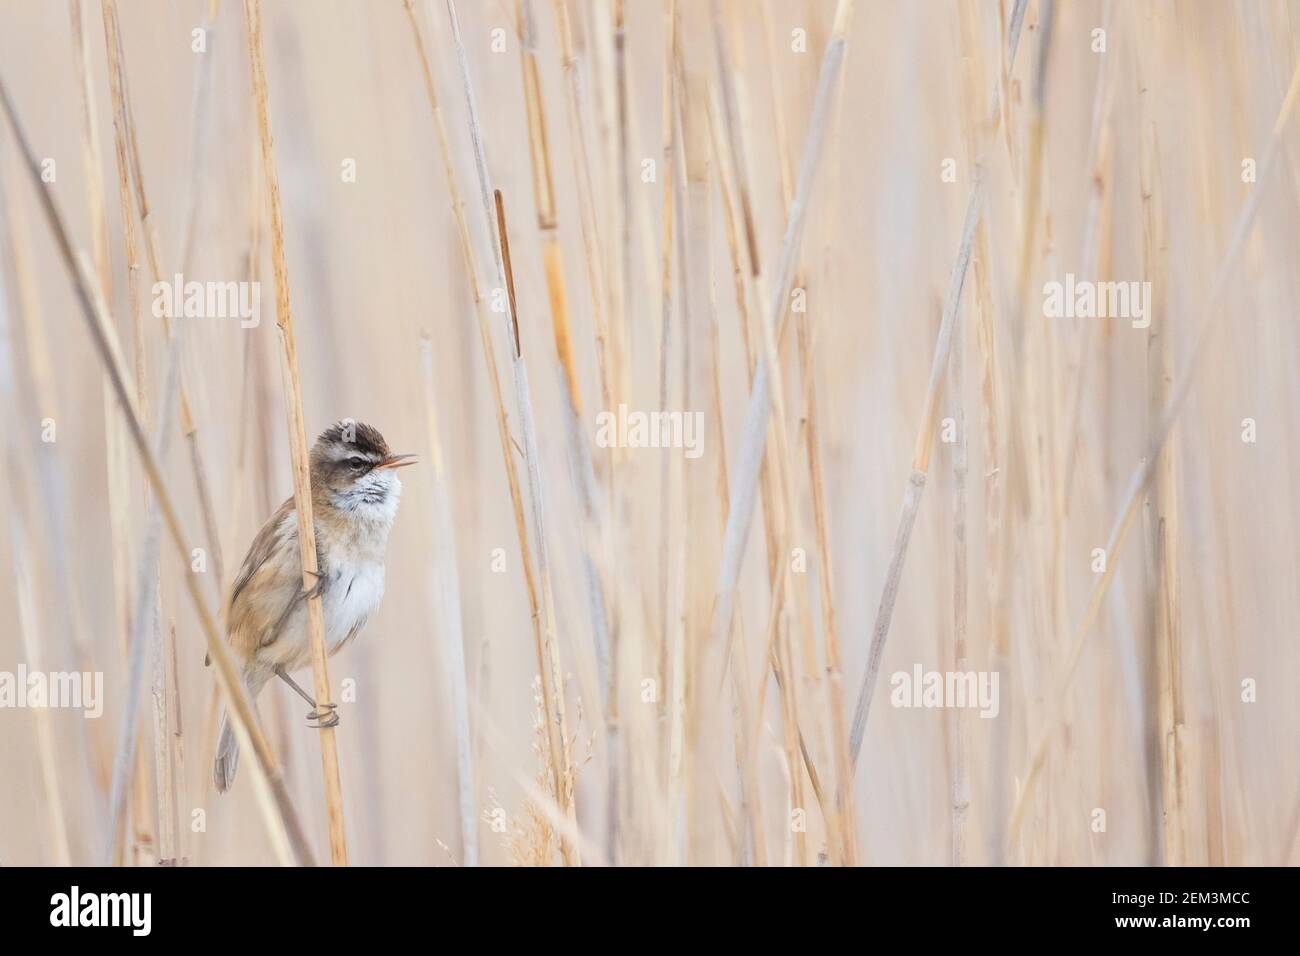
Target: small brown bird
[354,495]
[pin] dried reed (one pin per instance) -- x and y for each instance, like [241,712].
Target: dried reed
[297,445]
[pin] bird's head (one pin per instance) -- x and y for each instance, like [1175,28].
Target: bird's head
[353,470]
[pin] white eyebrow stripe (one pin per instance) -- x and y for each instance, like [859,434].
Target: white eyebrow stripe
[342,451]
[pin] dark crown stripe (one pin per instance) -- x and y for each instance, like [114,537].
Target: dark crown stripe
[366,439]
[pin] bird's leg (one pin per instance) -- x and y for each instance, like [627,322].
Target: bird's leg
[281,673]
[324,717]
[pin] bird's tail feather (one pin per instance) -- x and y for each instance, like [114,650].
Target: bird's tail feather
[227,762]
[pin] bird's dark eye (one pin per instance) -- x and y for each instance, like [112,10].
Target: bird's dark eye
[357,463]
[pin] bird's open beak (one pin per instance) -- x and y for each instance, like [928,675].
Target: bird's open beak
[396,461]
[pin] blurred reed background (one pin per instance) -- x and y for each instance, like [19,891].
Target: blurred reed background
[649,156]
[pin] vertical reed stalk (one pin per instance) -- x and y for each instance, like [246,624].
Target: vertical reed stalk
[961,747]
[582,462]
[202,101]
[297,443]
[553,262]
[621,270]
[780,516]
[22,552]
[972,76]
[607,348]
[747,708]
[673,585]
[139,793]
[1164,525]
[610,366]
[746,283]
[143,623]
[162,690]
[114,427]
[176,729]
[507,444]
[448,591]
[494,380]
[754,436]
[775,483]
[1021,470]
[842,827]
[500,250]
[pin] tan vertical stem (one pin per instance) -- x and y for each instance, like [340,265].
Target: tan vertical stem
[1164,526]
[494,381]
[297,442]
[112,43]
[501,256]
[596,570]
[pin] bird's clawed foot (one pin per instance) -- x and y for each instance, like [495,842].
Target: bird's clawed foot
[324,716]
[316,589]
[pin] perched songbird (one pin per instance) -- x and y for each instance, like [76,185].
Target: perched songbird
[354,494]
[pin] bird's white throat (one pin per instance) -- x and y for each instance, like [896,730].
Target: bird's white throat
[371,503]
